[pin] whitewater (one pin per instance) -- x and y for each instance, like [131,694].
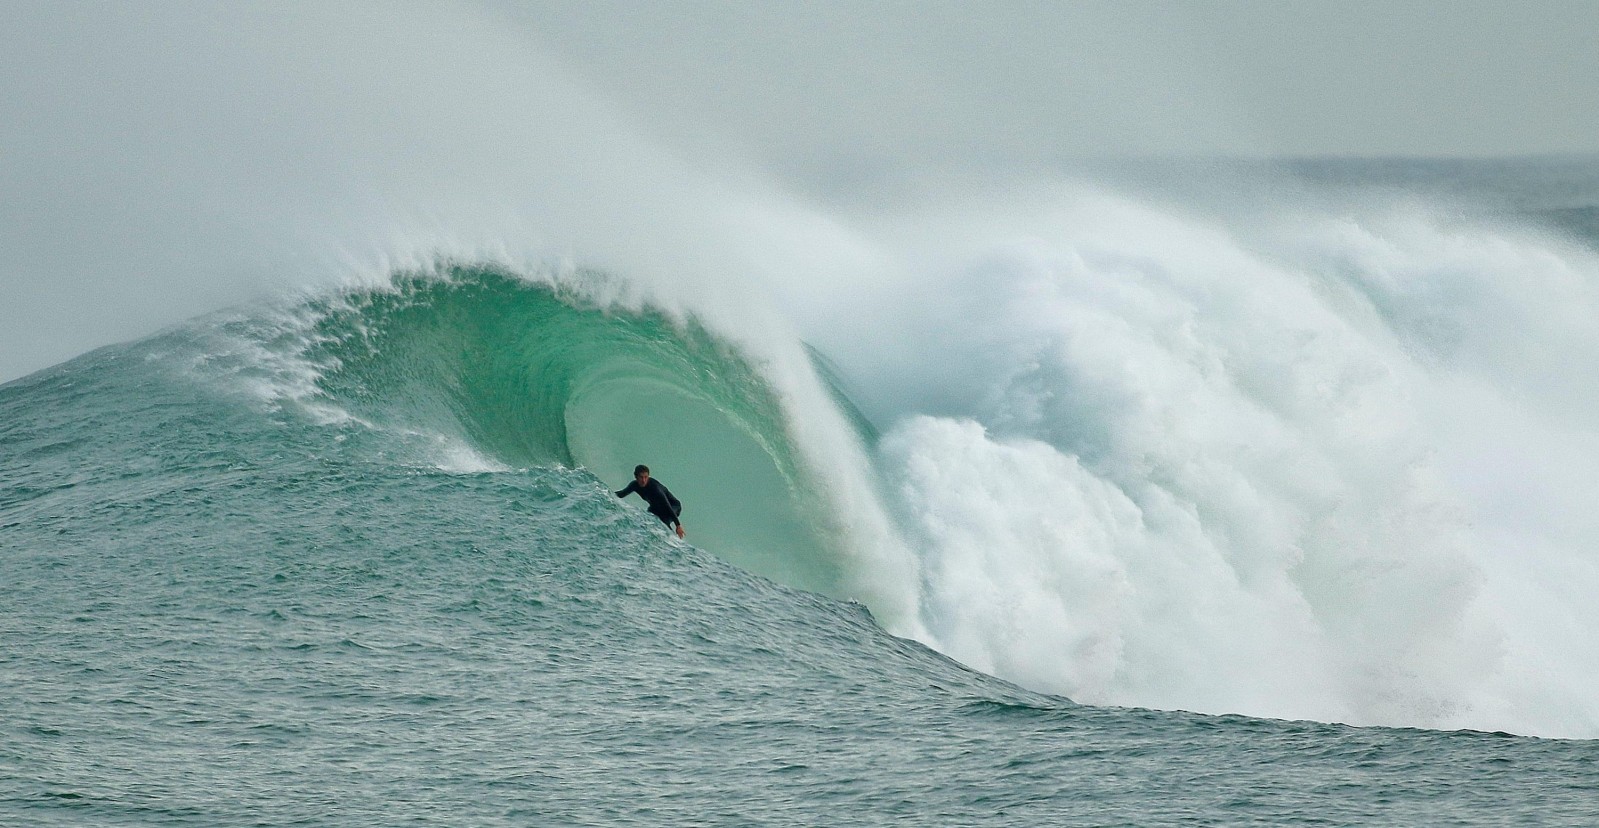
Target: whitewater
[1308,468]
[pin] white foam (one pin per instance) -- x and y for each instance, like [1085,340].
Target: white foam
[1300,471]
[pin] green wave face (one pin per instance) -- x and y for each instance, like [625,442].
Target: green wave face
[530,376]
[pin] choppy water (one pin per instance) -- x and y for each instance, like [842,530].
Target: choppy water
[350,560]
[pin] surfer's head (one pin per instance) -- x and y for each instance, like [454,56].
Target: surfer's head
[641,473]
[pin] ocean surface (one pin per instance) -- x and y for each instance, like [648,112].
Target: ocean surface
[1116,509]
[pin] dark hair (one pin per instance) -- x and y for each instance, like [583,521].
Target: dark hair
[640,469]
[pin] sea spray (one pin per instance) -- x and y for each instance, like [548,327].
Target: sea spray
[1129,454]
[1179,464]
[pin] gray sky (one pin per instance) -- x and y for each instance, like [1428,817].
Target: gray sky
[1030,80]
[161,160]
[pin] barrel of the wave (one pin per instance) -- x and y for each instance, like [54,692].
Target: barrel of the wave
[518,373]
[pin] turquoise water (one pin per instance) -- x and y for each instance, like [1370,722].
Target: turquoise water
[348,570]
[1103,509]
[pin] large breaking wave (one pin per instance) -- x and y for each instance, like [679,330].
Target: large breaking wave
[1326,470]
[475,368]
[1262,451]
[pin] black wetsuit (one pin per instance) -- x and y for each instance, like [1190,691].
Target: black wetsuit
[662,504]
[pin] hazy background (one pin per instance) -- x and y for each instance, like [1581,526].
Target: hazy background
[164,159]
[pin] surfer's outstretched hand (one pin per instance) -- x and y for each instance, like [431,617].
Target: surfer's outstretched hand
[680,530]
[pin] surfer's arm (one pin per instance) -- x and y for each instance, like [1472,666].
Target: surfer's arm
[676,507]
[631,488]
[672,504]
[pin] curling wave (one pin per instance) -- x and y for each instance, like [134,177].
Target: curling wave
[526,374]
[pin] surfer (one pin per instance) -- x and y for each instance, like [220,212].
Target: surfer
[662,504]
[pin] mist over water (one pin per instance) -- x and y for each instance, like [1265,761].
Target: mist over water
[1328,456]
[1296,465]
